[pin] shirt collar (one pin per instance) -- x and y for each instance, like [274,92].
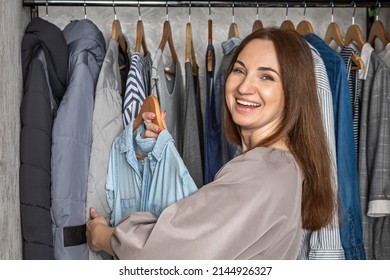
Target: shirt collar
[152,146]
[230,45]
[128,144]
[365,56]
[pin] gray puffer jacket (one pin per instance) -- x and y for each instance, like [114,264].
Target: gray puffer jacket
[71,140]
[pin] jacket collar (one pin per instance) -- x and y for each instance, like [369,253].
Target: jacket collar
[146,146]
[43,34]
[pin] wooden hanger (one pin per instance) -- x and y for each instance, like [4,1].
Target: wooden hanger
[304,27]
[333,33]
[287,25]
[117,35]
[357,60]
[378,31]
[189,51]
[233,31]
[140,39]
[210,41]
[354,34]
[257,25]
[150,104]
[167,37]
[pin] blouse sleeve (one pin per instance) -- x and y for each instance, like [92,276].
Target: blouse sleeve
[251,211]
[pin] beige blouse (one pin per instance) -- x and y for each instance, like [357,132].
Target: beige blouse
[251,211]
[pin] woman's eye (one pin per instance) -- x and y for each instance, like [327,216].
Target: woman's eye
[238,71]
[267,78]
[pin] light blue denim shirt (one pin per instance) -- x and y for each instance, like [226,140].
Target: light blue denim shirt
[151,184]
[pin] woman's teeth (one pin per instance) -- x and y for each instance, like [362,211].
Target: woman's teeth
[247,103]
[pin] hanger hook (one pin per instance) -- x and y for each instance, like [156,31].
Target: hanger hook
[139,11]
[354,11]
[47,8]
[378,3]
[332,10]
[113,6]
[304,9]
[233,11]
[287,11]
[166,9]
[85,9]
[209,9]
[189,12]
[257,10]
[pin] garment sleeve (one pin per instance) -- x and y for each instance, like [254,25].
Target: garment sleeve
[252,210]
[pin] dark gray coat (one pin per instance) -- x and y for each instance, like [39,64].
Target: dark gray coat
[44,63]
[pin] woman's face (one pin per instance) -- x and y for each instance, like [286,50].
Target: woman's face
[254,91]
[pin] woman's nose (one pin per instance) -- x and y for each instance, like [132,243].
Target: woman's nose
[247,86]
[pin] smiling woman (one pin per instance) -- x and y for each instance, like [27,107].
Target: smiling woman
[274,68]
[254,93]
[259,202]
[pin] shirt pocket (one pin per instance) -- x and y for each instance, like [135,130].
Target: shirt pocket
[129,205]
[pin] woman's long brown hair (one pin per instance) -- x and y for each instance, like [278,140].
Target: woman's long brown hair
[301,124]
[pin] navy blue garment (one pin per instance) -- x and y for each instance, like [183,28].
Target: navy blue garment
[219,150]
[45,64]
[351,232]
[211,127]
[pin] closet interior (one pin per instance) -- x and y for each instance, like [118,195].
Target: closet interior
[169,44]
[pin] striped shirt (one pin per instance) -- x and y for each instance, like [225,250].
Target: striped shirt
[354,85]
[137,86]
[324,243]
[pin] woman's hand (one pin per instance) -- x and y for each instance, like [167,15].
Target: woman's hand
[99,233]
[152,130]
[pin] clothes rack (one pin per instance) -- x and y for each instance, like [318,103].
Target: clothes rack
[204,3]
[33,4]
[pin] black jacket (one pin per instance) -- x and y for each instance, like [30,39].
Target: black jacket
[44,65]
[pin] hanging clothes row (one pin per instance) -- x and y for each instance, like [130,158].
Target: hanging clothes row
[93,154]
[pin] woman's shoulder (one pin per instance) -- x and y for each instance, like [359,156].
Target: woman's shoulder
[269,156]
[264,163]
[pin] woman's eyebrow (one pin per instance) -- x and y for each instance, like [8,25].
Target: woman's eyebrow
[261,68]
[241,63]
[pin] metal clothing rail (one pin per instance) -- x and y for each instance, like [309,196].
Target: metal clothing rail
[33,4]
[228,3]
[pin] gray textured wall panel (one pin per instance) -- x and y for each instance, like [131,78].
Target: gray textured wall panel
[13,20]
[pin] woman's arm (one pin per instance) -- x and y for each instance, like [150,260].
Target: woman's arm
[98,230]
[251,211]
[99,233]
